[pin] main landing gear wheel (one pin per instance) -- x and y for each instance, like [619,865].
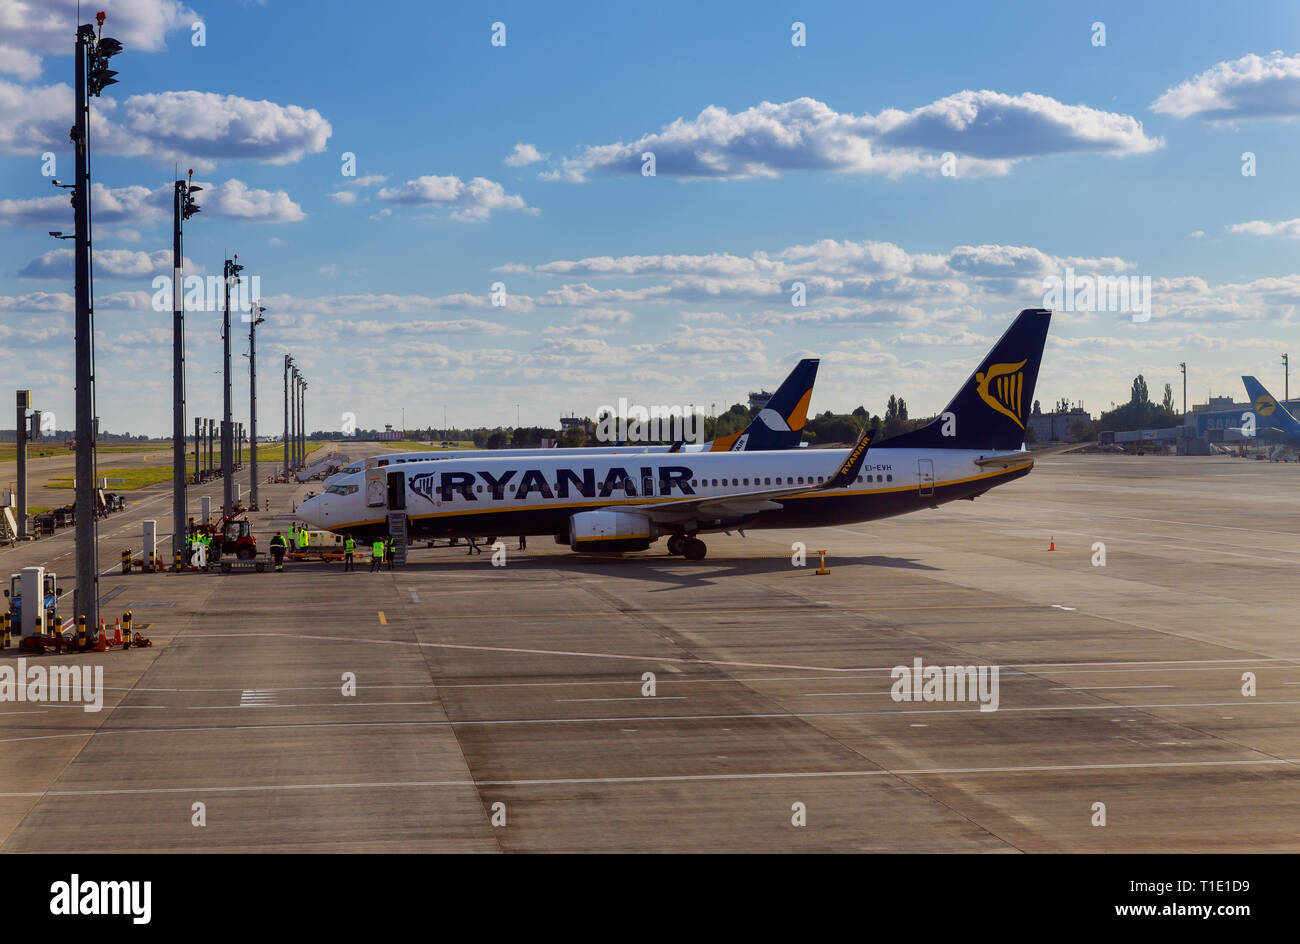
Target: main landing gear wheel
[695,549]
[676,543]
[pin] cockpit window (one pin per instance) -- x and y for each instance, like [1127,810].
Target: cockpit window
[343,489]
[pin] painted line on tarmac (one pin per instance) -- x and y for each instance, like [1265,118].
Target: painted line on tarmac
[757,716]
[1027,666]
[673,778]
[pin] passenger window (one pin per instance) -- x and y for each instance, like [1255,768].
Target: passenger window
[746,481]
[819,479]
[479,489]
[889,478]
[767,481]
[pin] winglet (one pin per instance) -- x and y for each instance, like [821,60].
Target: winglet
[848,471]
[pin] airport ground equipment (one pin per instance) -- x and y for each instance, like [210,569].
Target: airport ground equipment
[321,545]
[235,535]
[259,564]
[34,583]
[325,465]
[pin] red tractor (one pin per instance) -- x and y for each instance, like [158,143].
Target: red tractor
[236,537]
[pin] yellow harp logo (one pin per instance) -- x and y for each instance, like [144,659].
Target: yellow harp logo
[1265,405]
[1002,388]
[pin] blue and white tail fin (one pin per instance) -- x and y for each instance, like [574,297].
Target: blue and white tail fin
[990,409]
[779,425]
[1269,411]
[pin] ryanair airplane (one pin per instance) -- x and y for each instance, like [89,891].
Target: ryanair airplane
[779,425]
[618,503]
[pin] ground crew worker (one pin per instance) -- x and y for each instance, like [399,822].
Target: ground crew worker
[349,549]
[390,550]
[376,555]
[278,547]
[523,542]
[302,540]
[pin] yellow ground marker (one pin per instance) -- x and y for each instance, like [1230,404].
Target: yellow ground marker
[383,620]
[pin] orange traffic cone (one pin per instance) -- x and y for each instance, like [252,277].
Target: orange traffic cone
[1052,546]
[117,632]
[101,641]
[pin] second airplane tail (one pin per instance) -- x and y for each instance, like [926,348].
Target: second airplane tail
[1269,409]
[779,425]
[990,409]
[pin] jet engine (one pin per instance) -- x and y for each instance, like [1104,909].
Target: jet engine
[610,530]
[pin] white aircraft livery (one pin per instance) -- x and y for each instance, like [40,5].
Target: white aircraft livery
[614,503]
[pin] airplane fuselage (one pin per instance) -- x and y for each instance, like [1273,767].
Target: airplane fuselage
[536,495]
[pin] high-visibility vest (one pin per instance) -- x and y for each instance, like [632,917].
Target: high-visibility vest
[349,545]
[302,538]
[377,549]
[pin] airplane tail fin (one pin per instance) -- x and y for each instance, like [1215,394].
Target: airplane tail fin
[1268,408]
[779,425]
[990,409]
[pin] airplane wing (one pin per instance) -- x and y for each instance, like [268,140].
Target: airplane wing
[1019,458]
[748,503]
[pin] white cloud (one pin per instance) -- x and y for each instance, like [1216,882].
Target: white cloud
[1250,87]
[988,130]
[19,62]
[109,263]
[46,26]
[133,204]
[1289,229]
[36,302]
[193,128]
[469,202]
[343,196]
[524,154]
[226,127]
[138,205]
[235,200]
[353,304]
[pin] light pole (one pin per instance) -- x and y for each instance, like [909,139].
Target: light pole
[288,363]
[230,274]
[302,423]
[1286,385]
[92,77]
[1182,365]
[293,405]
[254,319]
[183,208]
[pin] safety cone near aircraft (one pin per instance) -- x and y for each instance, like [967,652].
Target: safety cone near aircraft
[627,502]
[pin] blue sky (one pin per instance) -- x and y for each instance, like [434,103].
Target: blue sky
[775,163]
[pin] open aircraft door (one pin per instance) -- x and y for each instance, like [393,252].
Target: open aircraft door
[376,485]
[397,490]
[925,476]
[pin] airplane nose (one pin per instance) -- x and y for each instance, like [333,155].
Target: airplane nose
[313,511]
